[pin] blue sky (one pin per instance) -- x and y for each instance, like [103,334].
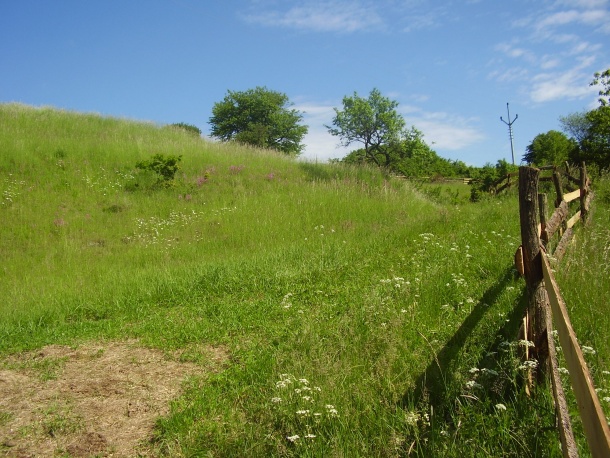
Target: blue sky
[451,65]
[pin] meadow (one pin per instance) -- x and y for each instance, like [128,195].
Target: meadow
[362,315]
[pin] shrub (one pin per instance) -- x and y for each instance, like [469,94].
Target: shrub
[189,128]
[164,168]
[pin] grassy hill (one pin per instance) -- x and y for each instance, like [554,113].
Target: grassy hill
[355,312]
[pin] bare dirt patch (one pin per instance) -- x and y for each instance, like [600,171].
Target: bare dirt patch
[99,399]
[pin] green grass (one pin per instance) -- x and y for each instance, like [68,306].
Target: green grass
[356,309]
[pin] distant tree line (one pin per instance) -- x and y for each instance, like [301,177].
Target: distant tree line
[264,118]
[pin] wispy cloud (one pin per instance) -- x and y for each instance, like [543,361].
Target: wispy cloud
[591,17]
[318,16]
[556,62]
[567,84]
[445,131]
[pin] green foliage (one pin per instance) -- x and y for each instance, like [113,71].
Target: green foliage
[551,148]
[191,129]
[485,179]
[259,117]
[374,122]
[165,167]
[602,79]
[412,157]
[595,147]
[592,129]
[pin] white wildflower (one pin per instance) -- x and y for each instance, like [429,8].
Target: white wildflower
[293,438]
[500,407]
[412,418]
[276,400]
[531,364]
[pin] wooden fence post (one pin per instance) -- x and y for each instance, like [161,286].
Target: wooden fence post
[532,262]
[584,188]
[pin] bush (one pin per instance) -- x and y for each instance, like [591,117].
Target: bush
[189,128]
[163,168]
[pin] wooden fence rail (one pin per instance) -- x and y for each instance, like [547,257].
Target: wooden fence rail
[546,305]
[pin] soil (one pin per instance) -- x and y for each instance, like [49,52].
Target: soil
[100,399]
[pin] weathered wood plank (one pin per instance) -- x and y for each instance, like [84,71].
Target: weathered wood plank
[563,244]
[554,222]
[569,197]
[591,414]
[568,444]
[573,220]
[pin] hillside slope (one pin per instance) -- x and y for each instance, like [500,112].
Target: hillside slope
[350,309]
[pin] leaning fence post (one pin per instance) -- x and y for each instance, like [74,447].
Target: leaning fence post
[532,261]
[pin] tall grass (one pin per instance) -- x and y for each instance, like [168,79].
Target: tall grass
[363,318]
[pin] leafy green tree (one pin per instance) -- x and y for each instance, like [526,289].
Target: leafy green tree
[372,121]
[592,129]
[259,117]
[551,148]
[595,147]
[412,157]
[576,125]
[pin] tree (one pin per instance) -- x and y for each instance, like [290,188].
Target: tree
[374,122]
[551,148]
[576,124]
[259,117]
[592,129]
[602,79]
[412,157]
[595,147]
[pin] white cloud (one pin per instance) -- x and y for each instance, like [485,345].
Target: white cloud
[567,84]
[447,132]
[592,17]
[510,74]
[583,3]
[319,144]
[331,16]
[515,52]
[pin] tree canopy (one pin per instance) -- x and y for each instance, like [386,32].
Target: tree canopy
[551,148]
[372,121]
[259,117]
[591,129]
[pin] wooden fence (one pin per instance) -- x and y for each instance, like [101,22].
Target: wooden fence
[546,306]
